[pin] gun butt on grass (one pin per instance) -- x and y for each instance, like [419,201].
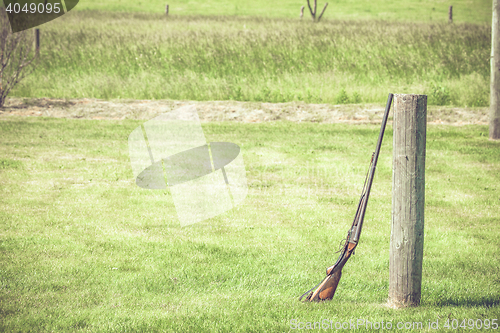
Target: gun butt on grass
[327,288]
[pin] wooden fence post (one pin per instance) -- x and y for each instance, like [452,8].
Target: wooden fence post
[37,41]
[450,14]
[166,10]
[495,73]
[302,12]
[408,200]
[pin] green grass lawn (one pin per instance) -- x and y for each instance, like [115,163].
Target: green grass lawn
[112,55]
[84,249]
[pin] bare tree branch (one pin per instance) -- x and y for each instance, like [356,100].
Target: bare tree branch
[313,11]
[324,8]
[16,56]
[313,14]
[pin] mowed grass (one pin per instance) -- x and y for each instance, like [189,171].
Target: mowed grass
[472,11]
[112,55]
[84,249]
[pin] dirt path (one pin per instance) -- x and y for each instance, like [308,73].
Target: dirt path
[229,111]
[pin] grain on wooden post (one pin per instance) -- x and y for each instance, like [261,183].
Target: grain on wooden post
[166,10]
[408,200]
[37,41]
[495,73]
[450,14]
[302,12]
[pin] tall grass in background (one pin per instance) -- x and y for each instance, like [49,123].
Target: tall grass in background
[471,11]
[148,56]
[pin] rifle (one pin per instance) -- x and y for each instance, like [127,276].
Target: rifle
[326,288]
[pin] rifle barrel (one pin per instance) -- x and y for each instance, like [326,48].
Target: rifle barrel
[372,169]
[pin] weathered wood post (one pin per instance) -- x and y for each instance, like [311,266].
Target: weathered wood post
[166,10]
[302,12]
[495,73]
[450,14]
[408,200]
[37,41]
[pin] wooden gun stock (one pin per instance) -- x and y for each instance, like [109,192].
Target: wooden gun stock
[327,288]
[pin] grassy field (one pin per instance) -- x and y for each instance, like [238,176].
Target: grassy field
[147,56]
[472,11]
[84,249]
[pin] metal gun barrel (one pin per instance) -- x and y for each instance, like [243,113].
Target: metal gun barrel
[372,169]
